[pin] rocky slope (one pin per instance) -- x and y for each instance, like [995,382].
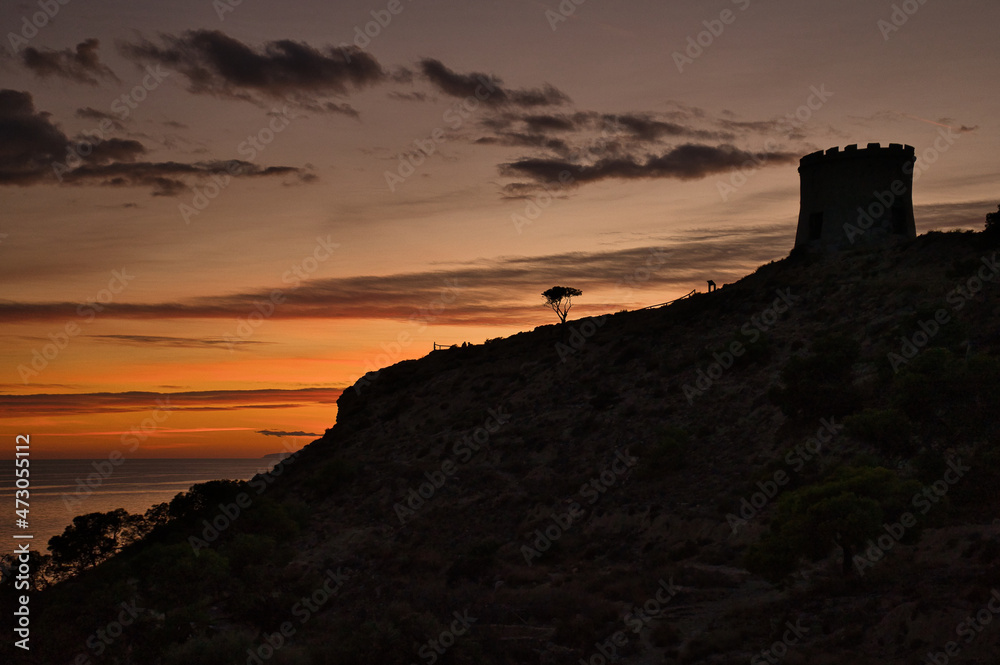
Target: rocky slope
[589,492]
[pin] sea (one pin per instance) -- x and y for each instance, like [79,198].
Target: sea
[55,494]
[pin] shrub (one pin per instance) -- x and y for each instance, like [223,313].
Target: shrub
[948,397]
[94,537]
[331,475]
[889,430]
[667,453]
[846,509]
[821,384]
[205,497]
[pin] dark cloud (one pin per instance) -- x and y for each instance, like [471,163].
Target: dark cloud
[217,64]
[765,127]
[684,162]
[636,128]
[409,96]
[63,404]
[82,65]
[526,140]
[166,178]
[645,127]
[115,150]
[282,433]
[499,121]
[585,147]
[543,122]
[29,142]
[174,342]
[33,150]
[331,107]
[482,292]
[489,89]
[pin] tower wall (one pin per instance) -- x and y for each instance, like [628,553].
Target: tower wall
[855,196]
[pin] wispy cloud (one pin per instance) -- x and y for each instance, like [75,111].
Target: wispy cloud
[18,406]
[488,88]
[684,162]
[487,291]
[961,214]
[174,342]
[282,433]
[88,113]
[159,431]
[82,64]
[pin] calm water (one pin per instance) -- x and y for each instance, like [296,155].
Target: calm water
[135,485]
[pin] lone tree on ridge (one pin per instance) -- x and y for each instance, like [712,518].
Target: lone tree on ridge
[559,298]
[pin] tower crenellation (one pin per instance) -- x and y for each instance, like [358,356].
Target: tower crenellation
[856,196]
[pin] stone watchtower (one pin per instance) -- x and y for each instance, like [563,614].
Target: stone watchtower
[856,197]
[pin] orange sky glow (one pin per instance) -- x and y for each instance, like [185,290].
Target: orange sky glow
[239,215]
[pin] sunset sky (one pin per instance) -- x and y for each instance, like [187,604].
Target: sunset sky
[239,208]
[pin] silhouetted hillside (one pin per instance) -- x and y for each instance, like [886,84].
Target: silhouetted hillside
[675,485]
